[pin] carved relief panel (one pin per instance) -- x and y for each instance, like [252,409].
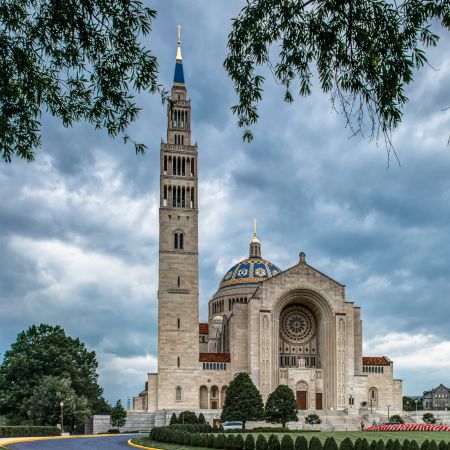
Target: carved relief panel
[265,348]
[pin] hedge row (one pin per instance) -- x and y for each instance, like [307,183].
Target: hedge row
[237,442]
[194,428]
[27,431]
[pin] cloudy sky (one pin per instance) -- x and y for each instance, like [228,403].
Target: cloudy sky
[79,226]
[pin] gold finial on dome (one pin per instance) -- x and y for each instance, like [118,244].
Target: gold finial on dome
[179,57]
[255,244]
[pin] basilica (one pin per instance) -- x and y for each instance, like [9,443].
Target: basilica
[290,326]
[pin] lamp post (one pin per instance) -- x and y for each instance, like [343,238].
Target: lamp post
[62,417]
[388,406]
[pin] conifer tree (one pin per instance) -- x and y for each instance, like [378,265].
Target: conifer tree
[219,441]
[364,445]
[261,442]
[211,440]
[229,443]
[433,445]
[238,442]
[415,446]
[330,444]
[201,418]
[389,444]
[380,445]
[287,443]
[301,443]
[346,444]
[274,442]
[243,401]
[173,419]
[249,442]
[406,445]
[425,445]
[118,416]
[315,444]
[442,446]
[281,406]
[373,445]
[396,445]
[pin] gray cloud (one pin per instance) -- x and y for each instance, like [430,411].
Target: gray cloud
[79,231]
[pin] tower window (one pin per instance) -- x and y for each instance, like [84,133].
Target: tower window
[181,241]
[178,393]
[178,323]
[175,243]
[179,281]
[178,241]
[165,165]
[178,361]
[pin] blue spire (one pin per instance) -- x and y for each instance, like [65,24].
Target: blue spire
[179,75]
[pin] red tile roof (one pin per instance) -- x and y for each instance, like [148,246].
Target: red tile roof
[376,361]
[203,328]
[215,357]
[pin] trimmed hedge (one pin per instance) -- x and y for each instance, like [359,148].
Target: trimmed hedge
[27,431]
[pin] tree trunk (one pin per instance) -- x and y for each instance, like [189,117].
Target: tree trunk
[243,424]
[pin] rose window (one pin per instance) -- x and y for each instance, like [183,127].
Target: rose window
[297,325]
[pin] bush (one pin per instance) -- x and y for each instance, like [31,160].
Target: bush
[201,418]
[301,443]
[406,445]
[274,442]
[249,443]
[429,418]
[397,418]
[415,446]
[229,443]
[364,445]
[27,431]
[315,444]
[219,442]
[312,419]
[396,445]
[239,442]
[330,444]
[187,438]
[433,445]
[112,431]
[389,444]
[287,443]
[442,445]
[425,445]
[346,444]
[211,441]
[187,417]
[380,445]
[373,445]
[173,419]
[261,442]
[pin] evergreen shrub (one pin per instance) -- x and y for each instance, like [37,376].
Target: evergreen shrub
[238,442]
[273,443]
[219,442]
[346,444]
[27,431]
[301,443]
[330,444]
[249,443]
[442,446]
[373,445]
[201,418]
[261,442]
[415,446]
[173,419]
[287,443]
[315,444]
[406,445]
[364,445]
[396,445]
[433,445]
[211,441]
[380,445]
[425,445]
[229,443]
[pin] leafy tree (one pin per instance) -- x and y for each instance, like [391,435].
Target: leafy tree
[173,419]
[118,416]
[429,418]
[397,418]
[409,404]
[301,443]
[281,406]
[40,351]
[243,401]
[187,417]
[364,51]
[287,443]
[78,61]
[261,442]
[273,443]
[44,405]
[249,443]
[312,419]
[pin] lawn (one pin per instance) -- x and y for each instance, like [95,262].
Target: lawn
[418,436]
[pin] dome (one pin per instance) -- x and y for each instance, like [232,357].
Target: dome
[249,271]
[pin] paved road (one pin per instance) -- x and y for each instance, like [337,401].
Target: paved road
[96,443]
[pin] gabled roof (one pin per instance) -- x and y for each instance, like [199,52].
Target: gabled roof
[376,361]
[203,328]
[214,357]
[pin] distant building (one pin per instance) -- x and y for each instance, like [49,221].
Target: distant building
[436,399]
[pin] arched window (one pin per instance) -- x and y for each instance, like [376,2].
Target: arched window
[192,167]
[179,281]
[165,196]
[178,393]
[192,198]
[181,241]
[178,361]
[178,323]
[165,165]
[175,241]
[183,167]
[182,139]
[373,396]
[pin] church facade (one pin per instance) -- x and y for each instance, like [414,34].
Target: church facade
[292,326]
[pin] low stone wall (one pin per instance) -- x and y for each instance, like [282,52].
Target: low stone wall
[136,421]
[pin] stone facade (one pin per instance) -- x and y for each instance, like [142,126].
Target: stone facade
[293,327]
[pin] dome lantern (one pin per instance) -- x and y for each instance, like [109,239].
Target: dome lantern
[255,244]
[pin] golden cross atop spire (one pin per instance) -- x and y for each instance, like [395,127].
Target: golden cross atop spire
[179,57]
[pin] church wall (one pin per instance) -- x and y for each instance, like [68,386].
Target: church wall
[152,394]
[360,390]
[385,389]
[358,340]
[239,338]
[398,395]
[253,349]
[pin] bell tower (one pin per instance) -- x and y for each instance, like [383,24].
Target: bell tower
[178,297]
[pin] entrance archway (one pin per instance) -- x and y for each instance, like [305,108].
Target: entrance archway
[301,389]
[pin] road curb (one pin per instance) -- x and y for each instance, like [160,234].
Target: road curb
[132,444]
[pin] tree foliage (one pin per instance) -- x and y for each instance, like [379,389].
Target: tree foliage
[429,418]
[396,418]
[364,53]
[281,406]
[78,60]
[42,351]
[44,405]
[243,401]
[118,417]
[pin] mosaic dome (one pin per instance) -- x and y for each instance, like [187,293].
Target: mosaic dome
[249,271]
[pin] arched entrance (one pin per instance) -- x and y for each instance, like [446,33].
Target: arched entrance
[301,391]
